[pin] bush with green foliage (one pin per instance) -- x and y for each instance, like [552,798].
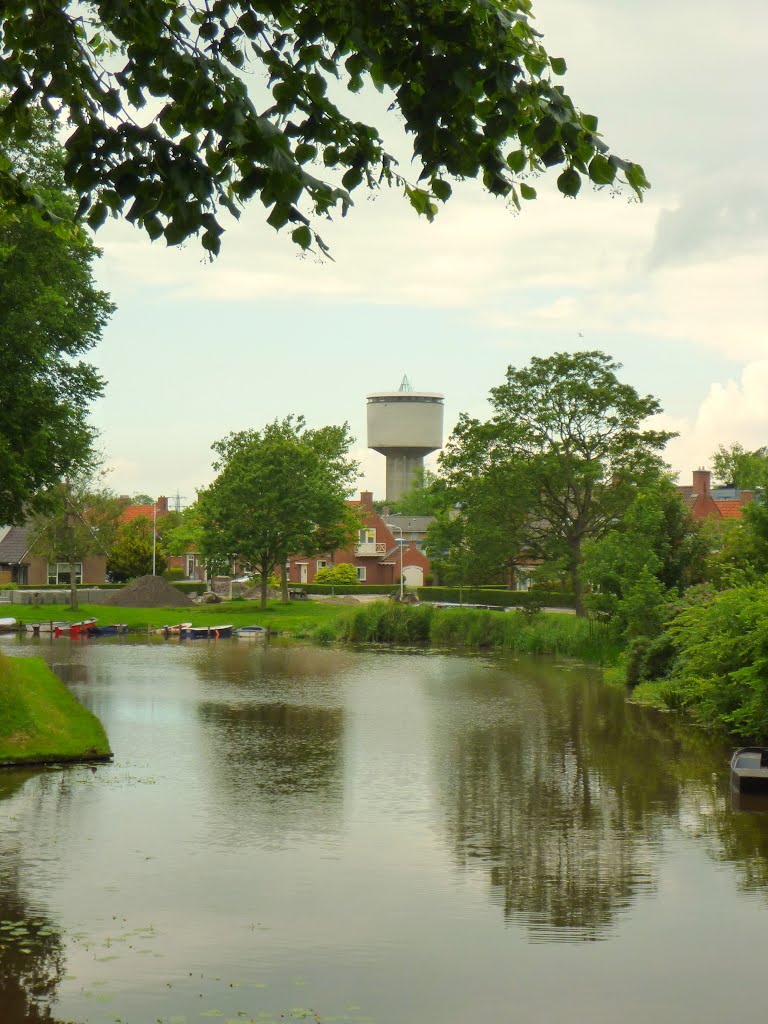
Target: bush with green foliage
[345,574]
[720,667]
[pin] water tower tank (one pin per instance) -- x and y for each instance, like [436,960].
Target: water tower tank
[404,425]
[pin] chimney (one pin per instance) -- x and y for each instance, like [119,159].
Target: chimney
[701,481]
[162,506]
[366,499]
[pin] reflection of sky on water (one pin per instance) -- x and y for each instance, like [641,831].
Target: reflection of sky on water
[390,831]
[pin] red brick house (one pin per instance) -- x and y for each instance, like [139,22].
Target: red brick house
[719,503]
[376,556]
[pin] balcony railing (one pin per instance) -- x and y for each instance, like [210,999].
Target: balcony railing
[371,550]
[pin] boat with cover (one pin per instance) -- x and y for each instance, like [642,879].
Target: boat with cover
[8,625]
[116,630]
[251,632]
[749,768]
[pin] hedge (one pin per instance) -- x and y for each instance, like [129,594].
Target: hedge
[346,588]
[497,598]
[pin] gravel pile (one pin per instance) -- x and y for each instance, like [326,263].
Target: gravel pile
[150,592]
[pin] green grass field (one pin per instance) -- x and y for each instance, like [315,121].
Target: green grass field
[40,720]
[298,618]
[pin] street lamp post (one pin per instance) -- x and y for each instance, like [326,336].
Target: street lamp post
[393,527]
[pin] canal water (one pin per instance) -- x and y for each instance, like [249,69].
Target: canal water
[293,832]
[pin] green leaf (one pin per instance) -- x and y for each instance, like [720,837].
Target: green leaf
[302,236]
[441,189]
[517,160]
[527,191]
[558,65]
[601,171]
[569,182]
[636,178]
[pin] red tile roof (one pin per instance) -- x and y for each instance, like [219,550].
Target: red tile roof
[136,512]
[729,508]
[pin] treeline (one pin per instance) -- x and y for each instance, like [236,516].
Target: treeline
[564,486]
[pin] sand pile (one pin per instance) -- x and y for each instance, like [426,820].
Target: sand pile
[150,592]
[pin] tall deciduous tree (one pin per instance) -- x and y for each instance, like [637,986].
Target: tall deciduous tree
[280,490]
[163,127]
[566,442]
[51,314]
[735,466]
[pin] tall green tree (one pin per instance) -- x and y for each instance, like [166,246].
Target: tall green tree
[656,547]
[162,128]
[51,314]
[136,553]
[735,466]
[280,490]
[567,445]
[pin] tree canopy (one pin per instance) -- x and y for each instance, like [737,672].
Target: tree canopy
[735,466]
[558,463]
[177,108]
[51,314]
[280,490]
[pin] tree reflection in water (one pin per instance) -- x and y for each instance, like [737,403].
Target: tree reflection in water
[32,960]
[276,736]
[563,790]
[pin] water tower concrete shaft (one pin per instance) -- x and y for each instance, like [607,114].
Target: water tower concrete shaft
[404,426]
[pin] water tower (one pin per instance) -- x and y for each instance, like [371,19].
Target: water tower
[404,425]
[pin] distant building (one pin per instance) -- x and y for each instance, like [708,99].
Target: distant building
[718,503]
[18,565]
[376,556]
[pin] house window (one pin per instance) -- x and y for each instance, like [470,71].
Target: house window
[367,536]
[361,574]
[190,567]
[58,572]
[322,563]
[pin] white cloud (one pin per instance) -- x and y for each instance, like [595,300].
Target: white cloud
[733,410]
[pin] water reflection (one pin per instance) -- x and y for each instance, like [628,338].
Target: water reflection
[562,789]
[31,947]
[277,765]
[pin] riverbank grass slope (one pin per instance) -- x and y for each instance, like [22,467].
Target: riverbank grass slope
[40,720]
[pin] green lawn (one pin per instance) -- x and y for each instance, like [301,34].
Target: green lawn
[297,618]
[40,720]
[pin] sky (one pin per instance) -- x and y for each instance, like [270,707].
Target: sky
[675,288]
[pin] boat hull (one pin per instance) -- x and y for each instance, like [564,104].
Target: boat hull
[749,769]
[207,632]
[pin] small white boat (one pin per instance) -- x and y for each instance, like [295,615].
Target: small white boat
[8,625]
[749,768]
[38,628]
[251,633]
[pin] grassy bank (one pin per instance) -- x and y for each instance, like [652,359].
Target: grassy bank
[511,632]
[385,622]
[40,720]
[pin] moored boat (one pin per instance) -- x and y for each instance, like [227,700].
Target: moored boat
[749,769]
[176,630]
[251,632]
[207,632]
[116,630]
[79,629]
[54,628]
[8,625]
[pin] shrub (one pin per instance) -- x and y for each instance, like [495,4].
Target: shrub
[345,574]
[175,573]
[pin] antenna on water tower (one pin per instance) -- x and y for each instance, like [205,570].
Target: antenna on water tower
[404,426]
